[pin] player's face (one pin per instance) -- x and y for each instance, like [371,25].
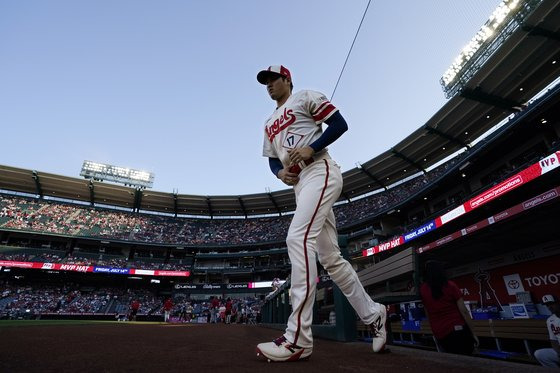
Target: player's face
[278,87]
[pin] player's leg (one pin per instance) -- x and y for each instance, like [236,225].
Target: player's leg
[344,276]
[547,357]
[319,187]
[315,195]
[342,273]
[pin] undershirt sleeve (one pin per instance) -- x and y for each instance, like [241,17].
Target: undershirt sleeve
[336,127]
[275,165]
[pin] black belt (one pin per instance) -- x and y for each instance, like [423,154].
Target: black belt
[296,169]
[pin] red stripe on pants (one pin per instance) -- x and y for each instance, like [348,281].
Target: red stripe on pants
[305,253]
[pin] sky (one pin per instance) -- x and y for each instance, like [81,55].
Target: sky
[170,86]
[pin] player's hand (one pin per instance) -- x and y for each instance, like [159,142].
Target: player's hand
[300,154]
[287,177]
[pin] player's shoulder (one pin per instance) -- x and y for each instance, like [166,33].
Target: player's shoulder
[553,319]
[308,93]
[307,96]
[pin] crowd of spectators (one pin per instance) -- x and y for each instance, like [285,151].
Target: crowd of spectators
[29,301]
[87,302]
[53,217]
[112,262]
[374,204]
[32,301]
[31,256]
[150,303]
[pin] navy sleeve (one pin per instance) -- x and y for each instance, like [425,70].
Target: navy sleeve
[275,165]
[336,127]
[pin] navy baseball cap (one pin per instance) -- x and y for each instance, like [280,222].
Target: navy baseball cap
[280,70]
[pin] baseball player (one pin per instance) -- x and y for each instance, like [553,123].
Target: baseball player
[550,357]
[167,307]
[134,307]
[296,147]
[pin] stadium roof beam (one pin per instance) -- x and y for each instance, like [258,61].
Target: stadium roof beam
[274,203]
[446,136]
[486,98]
[91,193]
[175,204]
[242,206]
[370,175]
[541,31]
[209,203]
[137,199]
[406,159]
[38,186]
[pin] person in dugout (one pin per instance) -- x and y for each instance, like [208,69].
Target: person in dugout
[445,308]
[550,357]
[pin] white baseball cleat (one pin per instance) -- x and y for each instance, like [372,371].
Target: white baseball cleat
[378,330]
[282,350]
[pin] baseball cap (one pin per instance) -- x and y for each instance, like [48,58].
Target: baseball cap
[549,298]
[263,75]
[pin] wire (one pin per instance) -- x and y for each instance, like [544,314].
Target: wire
[350,51]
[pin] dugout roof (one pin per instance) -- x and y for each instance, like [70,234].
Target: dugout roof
[520,68]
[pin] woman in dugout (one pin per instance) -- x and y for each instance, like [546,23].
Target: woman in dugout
[449,318]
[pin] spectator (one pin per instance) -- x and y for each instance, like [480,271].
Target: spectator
[550,357]
[449,318]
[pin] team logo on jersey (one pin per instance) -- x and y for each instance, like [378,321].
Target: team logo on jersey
[286,119]
[292,140]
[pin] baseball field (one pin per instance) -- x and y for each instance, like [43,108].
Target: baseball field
[87,346]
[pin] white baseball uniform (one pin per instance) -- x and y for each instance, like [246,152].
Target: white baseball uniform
[548,356]
[312,232]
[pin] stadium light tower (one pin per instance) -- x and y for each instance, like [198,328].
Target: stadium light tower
[506,18]
[123,175]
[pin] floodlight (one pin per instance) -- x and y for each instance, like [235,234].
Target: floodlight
[506,18]
[123,175]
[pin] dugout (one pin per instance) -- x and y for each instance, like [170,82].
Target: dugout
[503,257]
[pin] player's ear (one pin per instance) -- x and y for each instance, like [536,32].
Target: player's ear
[291,84]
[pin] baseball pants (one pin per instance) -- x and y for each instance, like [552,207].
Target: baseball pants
[312,234]
[548,357]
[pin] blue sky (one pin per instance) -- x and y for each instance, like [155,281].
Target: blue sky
[169,86]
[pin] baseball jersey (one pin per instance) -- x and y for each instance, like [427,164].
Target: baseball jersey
[553,324]
[295,124]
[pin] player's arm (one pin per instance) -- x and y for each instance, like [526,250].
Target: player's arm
[336,126]
[275,165]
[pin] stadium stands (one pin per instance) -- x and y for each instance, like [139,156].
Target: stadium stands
[32,215]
